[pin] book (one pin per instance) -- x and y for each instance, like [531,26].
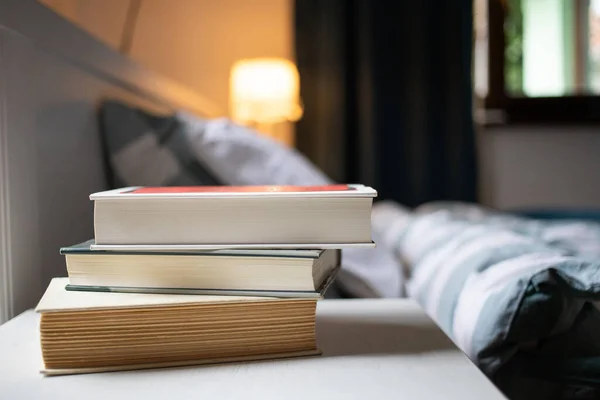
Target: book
[280,273]
[86,332]
[207,217]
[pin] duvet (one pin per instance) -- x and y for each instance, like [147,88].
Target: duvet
[518,296]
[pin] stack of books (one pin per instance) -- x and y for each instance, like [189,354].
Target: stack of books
[194,275]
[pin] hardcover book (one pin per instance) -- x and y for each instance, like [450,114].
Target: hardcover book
[167,218]
[87,332]
[279,273]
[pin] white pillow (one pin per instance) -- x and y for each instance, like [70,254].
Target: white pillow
[237,155]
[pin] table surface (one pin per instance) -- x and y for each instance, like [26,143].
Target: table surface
[371,349]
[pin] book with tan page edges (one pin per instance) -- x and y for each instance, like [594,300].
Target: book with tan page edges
[85,332]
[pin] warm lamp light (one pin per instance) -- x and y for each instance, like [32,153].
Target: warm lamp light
[265,91]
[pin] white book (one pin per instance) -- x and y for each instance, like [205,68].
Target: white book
[277,273]
[170,218]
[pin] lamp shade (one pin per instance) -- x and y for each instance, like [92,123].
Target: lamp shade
[265,90]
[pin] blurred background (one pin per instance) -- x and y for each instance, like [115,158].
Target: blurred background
[490,101]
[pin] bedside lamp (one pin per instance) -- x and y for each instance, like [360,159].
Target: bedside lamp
[264,92]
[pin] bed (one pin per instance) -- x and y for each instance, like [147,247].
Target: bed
[519,295]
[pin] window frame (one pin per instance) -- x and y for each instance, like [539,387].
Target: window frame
[578,109]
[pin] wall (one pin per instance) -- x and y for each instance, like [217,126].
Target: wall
[546,167]
[194,42]
[50,147]
[104,19]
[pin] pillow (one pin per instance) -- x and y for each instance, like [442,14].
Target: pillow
[239,156]
[142,149]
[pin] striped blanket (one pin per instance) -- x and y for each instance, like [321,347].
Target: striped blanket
[518,296]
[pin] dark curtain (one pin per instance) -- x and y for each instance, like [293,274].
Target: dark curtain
[386,87]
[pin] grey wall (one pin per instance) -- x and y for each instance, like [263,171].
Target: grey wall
[543,167]
[52,77]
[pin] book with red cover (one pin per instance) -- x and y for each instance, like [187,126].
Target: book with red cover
[206,217]
[339,190]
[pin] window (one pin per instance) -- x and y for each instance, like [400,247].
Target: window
[539,60]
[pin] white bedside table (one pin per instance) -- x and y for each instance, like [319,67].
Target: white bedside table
[372,349]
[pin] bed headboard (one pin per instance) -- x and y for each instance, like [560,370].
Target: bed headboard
[52,77]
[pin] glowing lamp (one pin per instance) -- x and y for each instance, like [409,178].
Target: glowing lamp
[264,91]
